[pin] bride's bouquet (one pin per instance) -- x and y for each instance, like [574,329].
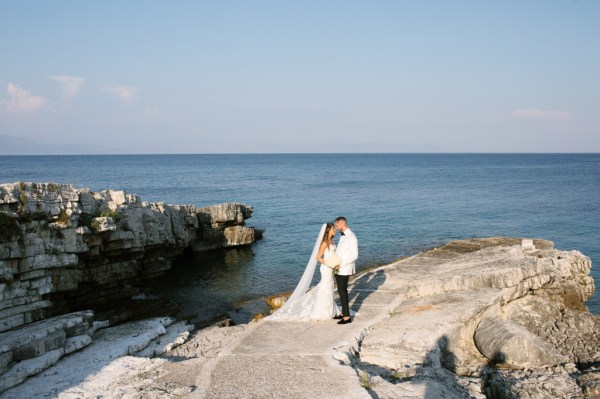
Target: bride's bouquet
[332,261]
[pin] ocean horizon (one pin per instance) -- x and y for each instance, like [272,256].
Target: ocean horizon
[398,204]
[301,153]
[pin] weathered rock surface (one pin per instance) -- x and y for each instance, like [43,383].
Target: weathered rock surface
[504,342]
[40,345]
[548,382]
[223,226]
[511,313]
[64,249]
[481,318]
[145,338]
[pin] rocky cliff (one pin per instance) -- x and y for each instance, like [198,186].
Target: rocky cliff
[64,249]
[480,318]
[493,318]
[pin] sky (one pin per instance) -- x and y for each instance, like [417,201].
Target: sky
[307,76]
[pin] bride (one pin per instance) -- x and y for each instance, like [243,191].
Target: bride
[318,303]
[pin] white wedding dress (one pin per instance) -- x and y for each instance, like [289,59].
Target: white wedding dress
[316,304]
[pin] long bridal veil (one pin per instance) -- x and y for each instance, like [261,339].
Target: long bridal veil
[293,304]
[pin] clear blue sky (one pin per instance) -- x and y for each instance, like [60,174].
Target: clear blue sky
[278,76]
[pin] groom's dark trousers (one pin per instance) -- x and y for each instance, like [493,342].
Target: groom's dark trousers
[342,286]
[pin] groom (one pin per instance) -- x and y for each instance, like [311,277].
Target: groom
[347,250]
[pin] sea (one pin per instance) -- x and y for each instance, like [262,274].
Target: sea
[397,204]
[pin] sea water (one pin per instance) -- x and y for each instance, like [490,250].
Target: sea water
[397,204]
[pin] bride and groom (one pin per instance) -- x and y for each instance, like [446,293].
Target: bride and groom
[318,303]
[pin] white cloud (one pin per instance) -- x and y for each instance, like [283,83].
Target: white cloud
[20,100]
[70,85]
[540,113]
[126,93]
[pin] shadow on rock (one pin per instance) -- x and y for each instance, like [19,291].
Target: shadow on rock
[439,372]
[433,378]
[363,287]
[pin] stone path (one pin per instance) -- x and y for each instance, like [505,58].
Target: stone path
[411,313]
[301,359]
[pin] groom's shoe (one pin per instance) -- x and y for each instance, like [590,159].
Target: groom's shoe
[345,321]
[340,317]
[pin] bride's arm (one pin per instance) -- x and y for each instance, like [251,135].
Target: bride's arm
[322,249]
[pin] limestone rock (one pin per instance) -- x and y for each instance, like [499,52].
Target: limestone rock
[501,341]
[471,303]
[27,368]
[104,349]
[223,226]
[421,324]
[572,333]
[102,224]
[399,343]
[175,335]
[541,383]
[589,381]
[64,248]
[28,350]
[222,215]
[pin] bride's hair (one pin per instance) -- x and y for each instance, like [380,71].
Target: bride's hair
[327,230]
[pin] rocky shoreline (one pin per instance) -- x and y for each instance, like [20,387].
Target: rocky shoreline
[503,320]
[72,260]
[479,318]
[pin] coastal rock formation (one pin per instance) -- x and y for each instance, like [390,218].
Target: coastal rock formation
[488,318]
[64,249]
[222,226]
[480,318]
[501,341]
[40,345]
[95,350]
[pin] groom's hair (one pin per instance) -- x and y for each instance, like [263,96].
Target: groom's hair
[340,219]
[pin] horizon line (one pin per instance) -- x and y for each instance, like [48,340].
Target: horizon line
[313,153]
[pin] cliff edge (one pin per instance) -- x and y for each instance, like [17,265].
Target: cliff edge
[478,318]
[493,318]
[66,250]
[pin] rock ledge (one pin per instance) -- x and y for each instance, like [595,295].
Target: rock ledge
[64,249]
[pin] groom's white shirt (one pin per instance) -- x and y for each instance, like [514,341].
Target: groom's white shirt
[347,250]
